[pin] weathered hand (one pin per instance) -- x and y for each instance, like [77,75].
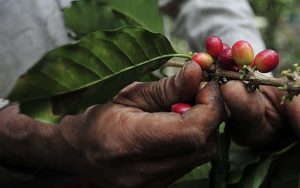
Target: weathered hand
[134,141]
[258,119]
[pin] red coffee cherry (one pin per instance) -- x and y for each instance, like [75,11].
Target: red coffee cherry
[266,60]
[225,46]
[242,53]
[214,46]
[252,64]
[203,59]
[226,61]
[180,108]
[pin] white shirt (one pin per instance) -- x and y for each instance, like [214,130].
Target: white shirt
[28,29]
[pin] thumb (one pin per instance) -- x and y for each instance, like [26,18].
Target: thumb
[160,95]
[208,111]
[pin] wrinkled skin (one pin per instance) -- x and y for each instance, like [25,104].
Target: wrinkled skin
[132,141]
[258,119]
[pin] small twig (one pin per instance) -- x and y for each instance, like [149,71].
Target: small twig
[256,78]
[259,79]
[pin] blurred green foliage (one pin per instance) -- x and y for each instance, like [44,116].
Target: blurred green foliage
[282,29]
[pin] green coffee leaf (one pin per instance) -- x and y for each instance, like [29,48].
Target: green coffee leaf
[255,175]
[73,77]
[240,157]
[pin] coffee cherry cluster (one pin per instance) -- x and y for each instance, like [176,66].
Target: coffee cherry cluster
[233,59]
[241,54]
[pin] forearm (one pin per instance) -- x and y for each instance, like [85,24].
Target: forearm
[24,141]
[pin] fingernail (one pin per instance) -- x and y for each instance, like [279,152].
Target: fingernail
[202,85]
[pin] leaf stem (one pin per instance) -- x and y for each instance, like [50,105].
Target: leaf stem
[173,64]
[185,56]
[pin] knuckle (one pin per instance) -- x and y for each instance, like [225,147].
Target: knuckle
[217,112]
[161,94]
[127,92]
